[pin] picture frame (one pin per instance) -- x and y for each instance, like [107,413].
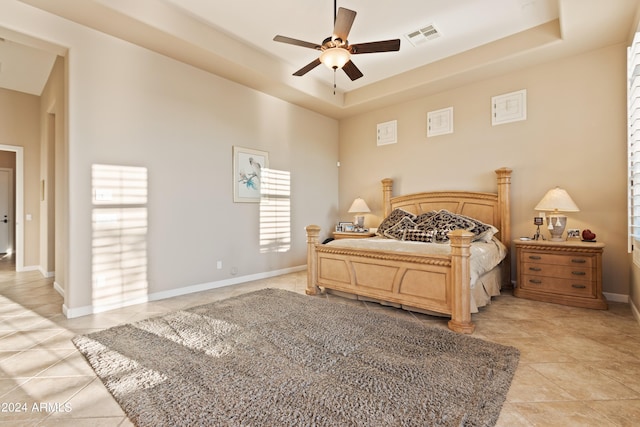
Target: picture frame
[248,165]
[344,226]
[573,234]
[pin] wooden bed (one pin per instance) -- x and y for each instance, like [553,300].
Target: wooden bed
[436,283]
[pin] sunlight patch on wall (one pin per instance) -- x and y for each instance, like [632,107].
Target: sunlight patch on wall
[119,237]
[275,211]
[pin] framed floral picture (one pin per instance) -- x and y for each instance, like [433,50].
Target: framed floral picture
[248,165]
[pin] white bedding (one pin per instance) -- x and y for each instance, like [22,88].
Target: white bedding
[484,255]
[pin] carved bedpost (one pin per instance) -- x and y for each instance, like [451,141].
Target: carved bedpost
[461,273]
[387,189]
[504,203]
[313,231]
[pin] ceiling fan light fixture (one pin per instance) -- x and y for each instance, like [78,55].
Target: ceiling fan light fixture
[335,57]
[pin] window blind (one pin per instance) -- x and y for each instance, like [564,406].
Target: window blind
[633,140]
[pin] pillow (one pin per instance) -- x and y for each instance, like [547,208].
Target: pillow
[399,229]
[394,217]
[417,235]
[444,221]
[424,217]
[484,232]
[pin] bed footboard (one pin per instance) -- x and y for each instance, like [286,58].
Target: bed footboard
[436,283]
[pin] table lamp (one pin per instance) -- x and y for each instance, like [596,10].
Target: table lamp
[556,200]
[359,206]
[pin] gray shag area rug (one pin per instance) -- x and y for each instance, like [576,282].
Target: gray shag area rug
[277,358]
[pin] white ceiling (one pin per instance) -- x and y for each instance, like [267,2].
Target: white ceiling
[234,39]
[463,24]
[24,68]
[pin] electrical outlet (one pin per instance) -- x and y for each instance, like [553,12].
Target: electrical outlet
[219,265]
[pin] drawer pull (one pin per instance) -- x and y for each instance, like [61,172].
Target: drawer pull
[535,269]
[578,261]
[578,286]
[535,257]
[535,281]
[578,273]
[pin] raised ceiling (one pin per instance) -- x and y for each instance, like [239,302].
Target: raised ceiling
[477,39]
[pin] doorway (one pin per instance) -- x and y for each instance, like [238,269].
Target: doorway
[6,211]
[16,225]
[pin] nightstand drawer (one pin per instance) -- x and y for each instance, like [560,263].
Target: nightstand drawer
[559,271]
[579,288]
[555,259]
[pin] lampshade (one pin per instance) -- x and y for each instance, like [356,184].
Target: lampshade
[335,57]
[557,200]
[359,206]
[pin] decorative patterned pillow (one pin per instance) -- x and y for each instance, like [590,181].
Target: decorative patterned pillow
[424,217]
[484,232]
[417,235]
[444,221]
[394,218]
[400,228]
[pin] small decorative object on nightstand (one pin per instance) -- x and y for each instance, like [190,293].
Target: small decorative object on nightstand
[568,273]
[538,221]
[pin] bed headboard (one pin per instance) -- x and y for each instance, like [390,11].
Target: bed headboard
[490,208]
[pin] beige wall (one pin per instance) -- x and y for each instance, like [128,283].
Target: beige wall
[20,126]
[180,124]
[574,137]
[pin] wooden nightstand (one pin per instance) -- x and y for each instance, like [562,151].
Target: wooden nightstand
[352,234]
[567,272]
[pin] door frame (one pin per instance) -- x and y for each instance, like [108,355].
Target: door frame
[10,210]
[19,208]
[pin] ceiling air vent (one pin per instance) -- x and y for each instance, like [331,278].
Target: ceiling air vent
[423,35]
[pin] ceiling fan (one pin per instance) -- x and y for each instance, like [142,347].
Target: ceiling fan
[336,51]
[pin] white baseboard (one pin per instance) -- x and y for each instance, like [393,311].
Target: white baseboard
[46,274]
[87,310]
[58,288]
[616,297]
[634,310]
[28,268]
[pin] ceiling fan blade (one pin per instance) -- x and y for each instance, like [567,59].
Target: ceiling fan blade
[310,66]
[352,71]
[373,47]
[344,21]
[296,42]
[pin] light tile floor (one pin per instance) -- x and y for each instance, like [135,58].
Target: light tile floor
[578,366]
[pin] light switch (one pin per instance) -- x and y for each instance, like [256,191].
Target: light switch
[29,217]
